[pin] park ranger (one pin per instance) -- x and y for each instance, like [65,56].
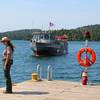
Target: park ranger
[7,60]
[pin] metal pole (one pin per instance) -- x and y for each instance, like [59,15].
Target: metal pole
[39,71]
[86,43]
[49,76]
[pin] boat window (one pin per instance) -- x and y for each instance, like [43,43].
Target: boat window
[33,36]
[41,36]
[46,36]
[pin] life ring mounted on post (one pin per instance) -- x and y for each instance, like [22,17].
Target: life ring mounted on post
[87,61]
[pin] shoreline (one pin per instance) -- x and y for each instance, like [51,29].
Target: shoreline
[52,90]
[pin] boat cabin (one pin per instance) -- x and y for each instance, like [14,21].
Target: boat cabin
[41,37]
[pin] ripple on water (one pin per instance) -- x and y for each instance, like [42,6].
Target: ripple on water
[64,67]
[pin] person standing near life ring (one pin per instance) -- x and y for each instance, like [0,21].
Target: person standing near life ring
[7,60]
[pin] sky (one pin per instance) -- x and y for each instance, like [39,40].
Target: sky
[29,14]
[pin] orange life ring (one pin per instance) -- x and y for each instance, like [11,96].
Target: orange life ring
[86,62]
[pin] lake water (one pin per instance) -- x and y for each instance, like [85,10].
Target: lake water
[64,67]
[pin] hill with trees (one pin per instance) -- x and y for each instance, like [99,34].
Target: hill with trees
[77,34]
[25,34]
[73,34]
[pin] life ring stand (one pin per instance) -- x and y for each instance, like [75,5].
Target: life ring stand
[86,62]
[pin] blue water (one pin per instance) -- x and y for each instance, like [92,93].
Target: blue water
[64,67]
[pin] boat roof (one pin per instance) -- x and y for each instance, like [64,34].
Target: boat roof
[40,33]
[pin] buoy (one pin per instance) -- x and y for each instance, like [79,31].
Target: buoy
[84,78]
[86,62]
[34,77]
[86,57]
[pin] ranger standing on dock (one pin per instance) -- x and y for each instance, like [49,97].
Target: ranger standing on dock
[7,60]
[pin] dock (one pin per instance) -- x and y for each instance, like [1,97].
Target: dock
[52,90]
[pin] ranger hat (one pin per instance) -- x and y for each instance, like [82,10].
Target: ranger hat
[4,39]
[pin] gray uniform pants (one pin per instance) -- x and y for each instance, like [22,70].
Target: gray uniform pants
[7,76]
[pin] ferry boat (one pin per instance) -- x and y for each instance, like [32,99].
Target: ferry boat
[44,44]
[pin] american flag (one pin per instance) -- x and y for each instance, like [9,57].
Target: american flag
[51,24]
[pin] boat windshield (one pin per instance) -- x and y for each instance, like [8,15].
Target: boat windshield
[41,36]
[46,36]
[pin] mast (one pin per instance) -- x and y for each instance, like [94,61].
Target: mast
[49,32]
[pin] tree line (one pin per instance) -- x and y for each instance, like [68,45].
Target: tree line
[78,35]
[73,34]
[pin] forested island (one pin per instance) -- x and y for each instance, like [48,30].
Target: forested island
[73,34]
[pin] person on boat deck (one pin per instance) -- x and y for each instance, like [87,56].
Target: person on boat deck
[7,60]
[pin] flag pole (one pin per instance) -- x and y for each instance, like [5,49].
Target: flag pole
[50,25]
[49,32]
